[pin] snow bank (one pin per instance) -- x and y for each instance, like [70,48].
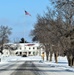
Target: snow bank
[62,63]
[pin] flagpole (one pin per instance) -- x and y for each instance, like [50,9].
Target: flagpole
[27,14]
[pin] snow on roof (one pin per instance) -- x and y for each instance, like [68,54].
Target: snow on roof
[23,44]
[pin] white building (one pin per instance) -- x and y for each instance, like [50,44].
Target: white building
[26,48]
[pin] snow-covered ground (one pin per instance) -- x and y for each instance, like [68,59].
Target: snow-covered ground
[62,61]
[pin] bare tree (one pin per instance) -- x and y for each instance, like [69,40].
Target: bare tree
[52,28]
[5,31]
[66,9]
[41,31]
[70,49]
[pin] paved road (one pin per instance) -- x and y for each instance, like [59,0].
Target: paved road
[20,68]
[31,68]
[27,68]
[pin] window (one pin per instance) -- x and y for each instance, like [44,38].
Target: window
[29,48]
[20,48]
[37,47]
[33,47]
[29,52]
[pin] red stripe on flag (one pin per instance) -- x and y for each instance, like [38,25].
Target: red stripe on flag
[26,13]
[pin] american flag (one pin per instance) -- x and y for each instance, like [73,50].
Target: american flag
[26,13]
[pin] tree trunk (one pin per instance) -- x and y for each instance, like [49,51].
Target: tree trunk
[55,56]
[73,61]
[70,60]
[47,56]
[2,49]
[51,56]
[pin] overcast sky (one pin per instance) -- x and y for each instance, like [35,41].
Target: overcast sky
[12,14]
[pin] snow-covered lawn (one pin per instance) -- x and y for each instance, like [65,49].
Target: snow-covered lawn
[62,61]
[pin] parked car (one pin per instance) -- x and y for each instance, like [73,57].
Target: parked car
[24,55]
